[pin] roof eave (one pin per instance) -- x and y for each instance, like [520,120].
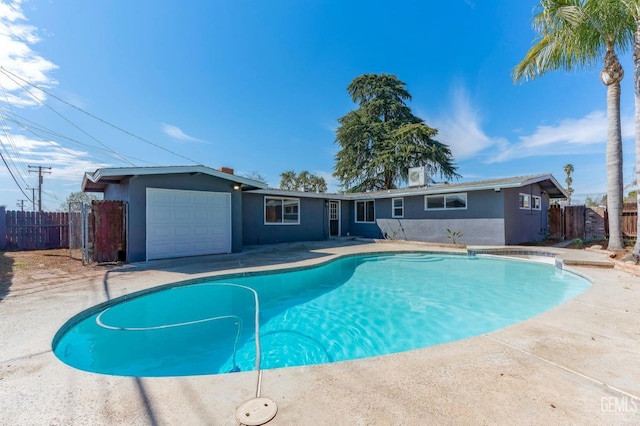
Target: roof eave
[99,175]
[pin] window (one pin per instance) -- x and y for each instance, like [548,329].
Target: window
[284,211]
[397,207]
[525,201]
[537,203]
[445,202]
[365,211]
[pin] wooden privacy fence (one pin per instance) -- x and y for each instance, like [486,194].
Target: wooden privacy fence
[630,220]
[629,226]
[35,230]
[569,222]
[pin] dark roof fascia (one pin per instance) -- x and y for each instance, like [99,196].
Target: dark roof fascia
[299,194]
[553,188]
[97,181]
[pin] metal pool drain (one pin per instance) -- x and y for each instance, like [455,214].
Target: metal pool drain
[256,411]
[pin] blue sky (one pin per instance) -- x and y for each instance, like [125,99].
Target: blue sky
[258,86]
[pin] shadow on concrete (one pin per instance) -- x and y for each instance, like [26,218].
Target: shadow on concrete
[146,402]
[250,257]
[6,274]
[105,285]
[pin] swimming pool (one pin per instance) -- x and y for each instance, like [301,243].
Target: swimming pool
[350,308]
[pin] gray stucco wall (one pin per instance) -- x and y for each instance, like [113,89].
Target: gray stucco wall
[118,192]
[362,229]
[481,231]
[135,192]
[482,222]
[524,225]
[314,222]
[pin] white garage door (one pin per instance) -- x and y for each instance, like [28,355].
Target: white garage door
[187,223]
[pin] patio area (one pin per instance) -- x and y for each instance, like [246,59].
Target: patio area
[578,363]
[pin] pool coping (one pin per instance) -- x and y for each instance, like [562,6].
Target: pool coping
[574,364]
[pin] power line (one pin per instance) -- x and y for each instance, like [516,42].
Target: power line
[6,72]
[9,136]
[11,164]
[39,132]
[11,173]
[52,197]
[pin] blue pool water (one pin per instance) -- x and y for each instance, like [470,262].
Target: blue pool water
[351,308]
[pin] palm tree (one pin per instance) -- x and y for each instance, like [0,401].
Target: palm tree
[288,180]
[576,33]
[568,169]
[633,6]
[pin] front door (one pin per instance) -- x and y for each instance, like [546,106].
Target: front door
[334,218]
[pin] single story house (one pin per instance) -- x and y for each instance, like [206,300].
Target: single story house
[195,210]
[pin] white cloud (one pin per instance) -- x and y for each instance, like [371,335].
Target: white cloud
[565,137]
[66,163]
[67,168]
[17,57]
[177,133]
[461,128]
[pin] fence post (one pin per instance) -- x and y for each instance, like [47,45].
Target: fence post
[3,228]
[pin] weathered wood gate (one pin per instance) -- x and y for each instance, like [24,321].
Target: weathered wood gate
[574,221]
[567,222]
[108,230]
[556,222]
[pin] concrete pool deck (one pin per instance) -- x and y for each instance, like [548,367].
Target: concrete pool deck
[578,363]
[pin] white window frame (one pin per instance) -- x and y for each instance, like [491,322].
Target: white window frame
[282,217]
[373,220]
[524,201]
[536,202]
[444,197]
[393,208]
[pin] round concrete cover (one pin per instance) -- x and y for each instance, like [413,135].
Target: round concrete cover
[256,411]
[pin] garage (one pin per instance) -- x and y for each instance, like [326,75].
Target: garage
[184,223]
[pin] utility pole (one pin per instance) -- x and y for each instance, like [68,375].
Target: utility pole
[33,198]
[20,204]
[40,179]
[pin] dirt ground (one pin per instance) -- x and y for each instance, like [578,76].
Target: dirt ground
[30,270]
